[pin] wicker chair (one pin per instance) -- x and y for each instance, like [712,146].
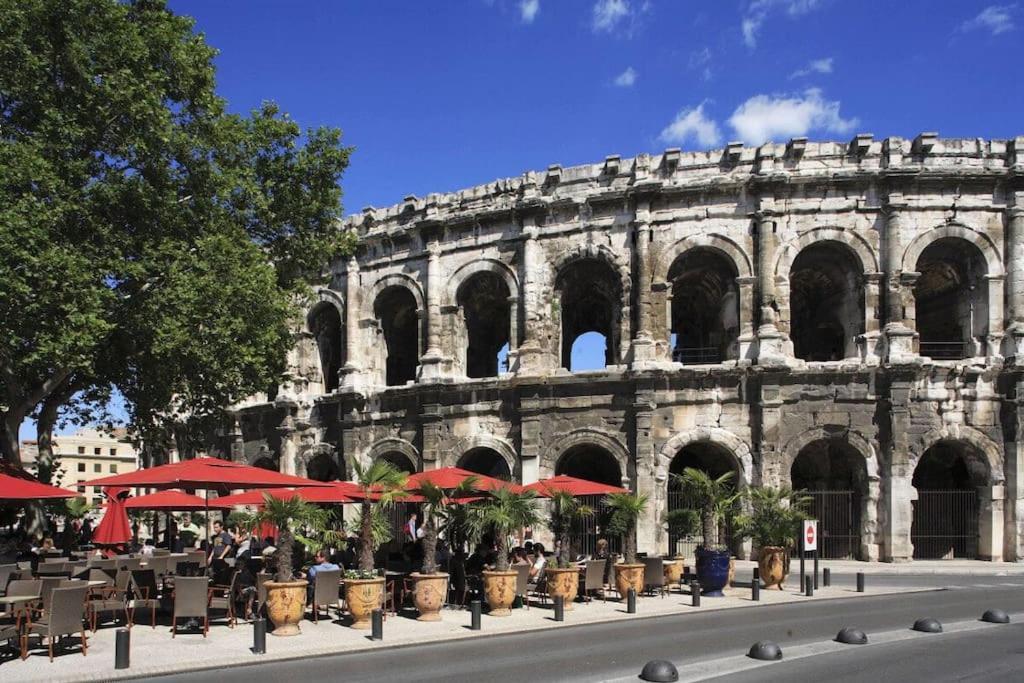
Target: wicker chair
[654,575]
[223,598]
[6,570]
[49,585]
[143,593]
[111,599]
[593,578]
[325,592]
[27,587]
[523,583]
[191,600]
[65,616]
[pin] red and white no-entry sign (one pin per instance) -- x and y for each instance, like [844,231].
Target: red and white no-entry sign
[810,534]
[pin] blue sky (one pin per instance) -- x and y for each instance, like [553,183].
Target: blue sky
[438,96]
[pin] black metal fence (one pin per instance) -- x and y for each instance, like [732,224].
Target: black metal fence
[685,545]
[838,515]
[945,524]
[697,355]
[944,350]
[586,531]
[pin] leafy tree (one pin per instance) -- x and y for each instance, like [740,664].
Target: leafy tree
[149,239]
[503,511]
[436,504]
[626,510]
[565,509]
[381,485]
[715,498]
[289,515]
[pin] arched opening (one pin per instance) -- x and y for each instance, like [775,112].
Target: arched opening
[399,461]
[323,467]
[395,309]
[266,463]
[484,302]
[590,300]
[951,299]
[713,459]
[485,461]
[833,473]
[593,463]
[705,307]
[390,553]
[826,294]
[589,352]
[325,326]
[945,519]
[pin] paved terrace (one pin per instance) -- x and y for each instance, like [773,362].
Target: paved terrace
[153,652]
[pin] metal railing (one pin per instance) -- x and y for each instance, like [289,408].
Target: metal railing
[944,350]
[945,524]
[697,355]
[838,515]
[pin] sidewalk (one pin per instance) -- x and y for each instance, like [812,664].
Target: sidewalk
[932,567]
[153,651]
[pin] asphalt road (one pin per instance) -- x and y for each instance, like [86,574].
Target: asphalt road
[615,650]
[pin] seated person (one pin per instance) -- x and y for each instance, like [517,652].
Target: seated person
[519,558]
[321,565]
[477,562]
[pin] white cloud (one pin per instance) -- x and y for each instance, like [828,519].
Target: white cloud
[627,78]
[995,18]
[762,117]
[692,124]
[816,66]
[528,10]
[700,60]
[608,14]
[758,10]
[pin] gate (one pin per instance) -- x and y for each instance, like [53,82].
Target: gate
[685,545]
[586,531]
[945,524]
[838,515]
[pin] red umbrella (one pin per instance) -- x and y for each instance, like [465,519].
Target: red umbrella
[17,484]
[449,478]
[114,528]
[171,500]
[573,486]
[310,494]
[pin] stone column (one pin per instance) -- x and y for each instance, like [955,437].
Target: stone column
[530,358]
[431,422]
[1013,469]
[994,339]
[529,440]
[990,523]
[350,371]
[1015,276]
[899,332]
[898,492]
[642,351]
[770,341]
[431,363]
[289,449]
[650,535]
[746,339]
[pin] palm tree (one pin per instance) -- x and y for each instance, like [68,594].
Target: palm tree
[774,516]
[715,498]
[288,515]
[626,510]
[504,511]
[382,485]
[565,509]
[436,503]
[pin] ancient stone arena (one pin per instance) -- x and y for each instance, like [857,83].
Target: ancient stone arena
[842,317]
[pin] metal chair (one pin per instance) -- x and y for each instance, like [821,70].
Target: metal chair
[112,598]
[325,591]
[96,563]
[654,575]
[65,616]
[223,598]
[523,583]
[143,593]
[593,578]
[191,600]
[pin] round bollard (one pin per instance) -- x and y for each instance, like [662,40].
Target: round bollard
[765,650]
[852,636]
[660,671]
[927,625]
[995,616]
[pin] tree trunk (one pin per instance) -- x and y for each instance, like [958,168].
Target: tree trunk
[629,543]
[10,448]
[284,554]
[502,562]
[366,537]
[430,546]
[707,518]
[45,461]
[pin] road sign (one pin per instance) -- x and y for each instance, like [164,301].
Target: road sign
[810,534]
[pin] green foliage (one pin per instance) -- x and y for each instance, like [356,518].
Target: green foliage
[437,502]
[774,516]
[566,509]
[715,498]
[503,511]
[683,522]
[288,515]
[382,485]
[626,509]
[76,508]
[149,239]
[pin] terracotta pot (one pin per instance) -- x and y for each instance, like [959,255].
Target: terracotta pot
[564,582]
[771,563]
[629,576]
[286,603]
[428,595]
[500,591]
[362,597]
[673,572]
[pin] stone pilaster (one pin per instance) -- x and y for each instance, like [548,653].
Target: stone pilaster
[770,341]
[899,331]
[432,362]
[651,537]
[431,422]
[289,446]
[898,492]
[530,440]
[1013,469]
[350,371]
[530,360]
[1015,277]
[642,351]
[747,338]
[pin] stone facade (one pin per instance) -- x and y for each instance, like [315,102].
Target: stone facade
[817,314]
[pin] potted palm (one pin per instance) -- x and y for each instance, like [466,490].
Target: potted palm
[286,597]
[503,512]
[430,584]
[381,485]
[772,521]
[626,509]
[715,498]
[564,578]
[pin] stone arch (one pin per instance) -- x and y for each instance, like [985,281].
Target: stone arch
[587,437]
[604,253]
[726,440]
[723,245]
[499,446]
[858,245]
[324,296]
[394,444]
[794,446]
[591,294]
[322,458]
[482,265]
[392,280]
[983,242]
[325,329]
[969,435]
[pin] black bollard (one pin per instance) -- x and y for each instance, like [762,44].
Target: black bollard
[259,636]
[860,582]
[695,592]
[815,570]
[826,577]
[122,648]
[377,624]
[560,608]
[808,586]
[755,588]
[757,574]
[475,609]
[631,601]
